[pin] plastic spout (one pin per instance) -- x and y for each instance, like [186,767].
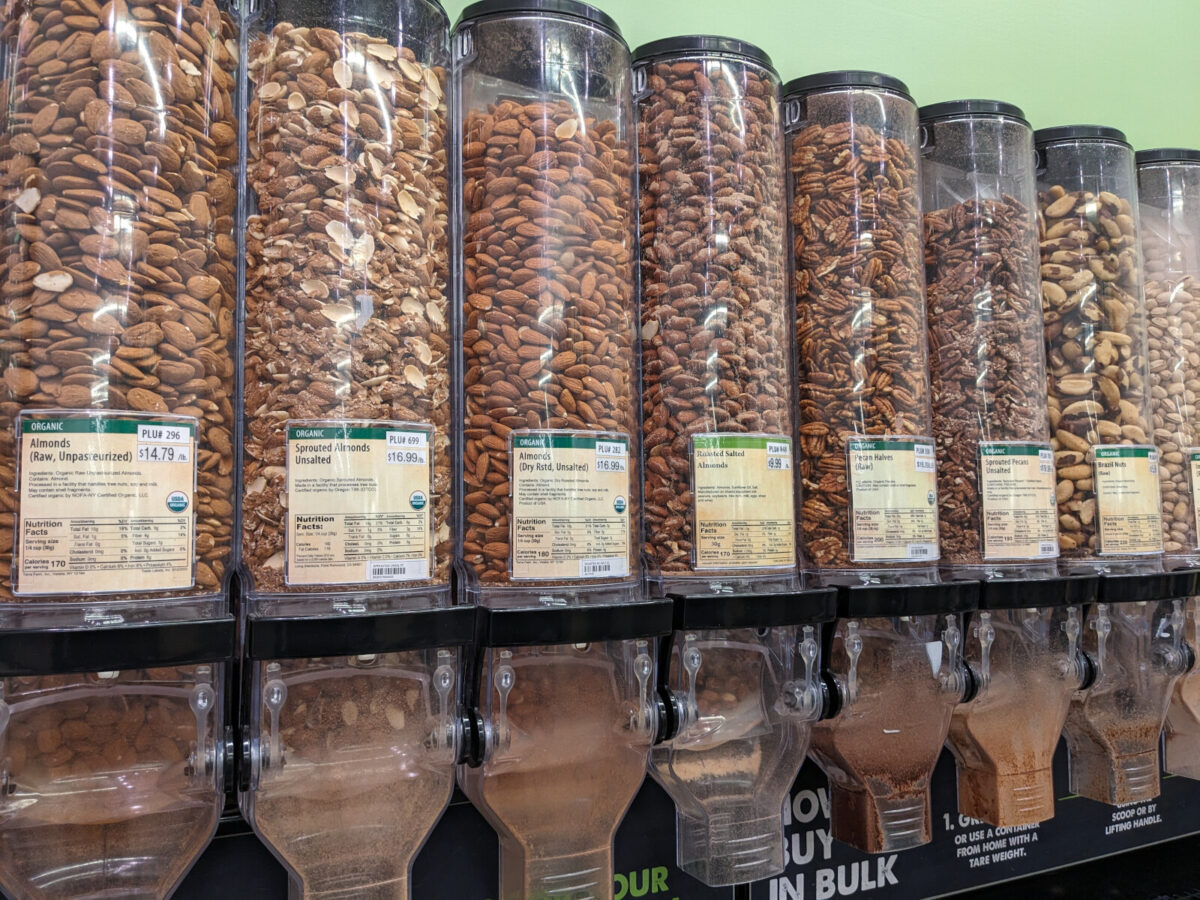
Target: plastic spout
[732,846]
[881,823]
[355,887]
[582,875]
[1006,799]
[1115,780]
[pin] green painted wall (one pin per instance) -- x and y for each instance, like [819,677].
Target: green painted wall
[1133,65]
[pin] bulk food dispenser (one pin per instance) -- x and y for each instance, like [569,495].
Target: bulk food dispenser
[119,142]
[995,464]
[352,726]
[550,457]
[866,453]
[717,410]
[352,736]
[1169,202]
[114,754]
[1107,464]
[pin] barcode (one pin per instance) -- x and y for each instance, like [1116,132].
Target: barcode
[397,569]
[390,570]
[1048,548]
[591,568]
[922,551]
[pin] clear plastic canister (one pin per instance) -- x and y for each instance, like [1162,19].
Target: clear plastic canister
[1095,321]
[1027,664]
[1181,731]
[114,780]
[550,457]
[1169,203]
[987,357]
[750,697]
[568,730]
[1114,728]
[899,679]
[865,428]
[348,467]
[353,764]
[118,142]
[715,319]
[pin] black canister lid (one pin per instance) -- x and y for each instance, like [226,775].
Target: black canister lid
[953,109]
[689,44]
[845,78]
[391,632]
[867,600]
[1150,587]
[1064,590]
[1167,155]
[115,648]
[1079,133]
[721,611]
[572,624]
[561,7]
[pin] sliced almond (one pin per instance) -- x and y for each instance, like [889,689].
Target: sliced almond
[383,51]
[415,377]
[55,282]
[341,233]
[343,74]
[566,130]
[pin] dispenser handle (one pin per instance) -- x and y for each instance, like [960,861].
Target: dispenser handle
[203,702]
[504,680]
[1102,625]
[274,697]
[986,632]
[446,738]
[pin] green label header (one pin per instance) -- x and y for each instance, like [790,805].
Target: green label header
[997,449]
[99,425]
[548,441]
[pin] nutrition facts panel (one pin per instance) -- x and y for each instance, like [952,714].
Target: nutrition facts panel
[565,540]
[75,546]
[745,541]
[391,545]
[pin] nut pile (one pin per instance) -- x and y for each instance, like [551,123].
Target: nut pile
[118,144]
[347,314]
[860,317]
[1095,345]
[349,707]
[1173,323]
[108,729]
[715,341]
[985,348]
[548,310]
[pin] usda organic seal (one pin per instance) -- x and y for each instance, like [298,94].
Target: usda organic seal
[619,504]
[418,500]
[177,501]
